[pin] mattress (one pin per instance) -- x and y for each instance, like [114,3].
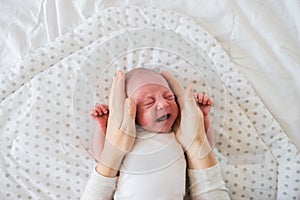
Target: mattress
[48,145]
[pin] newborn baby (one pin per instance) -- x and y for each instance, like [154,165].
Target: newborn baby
[156,166]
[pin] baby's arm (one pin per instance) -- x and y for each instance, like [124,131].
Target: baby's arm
[205,103]
[100,114]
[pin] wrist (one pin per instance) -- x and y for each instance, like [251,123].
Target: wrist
[106,170]
[206,116]
[200,156]
[111,157]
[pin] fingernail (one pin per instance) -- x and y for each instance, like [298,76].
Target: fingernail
[120,73]
[130,101]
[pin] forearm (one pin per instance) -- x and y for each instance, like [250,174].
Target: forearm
[204,173]
[209,130]
[207,122]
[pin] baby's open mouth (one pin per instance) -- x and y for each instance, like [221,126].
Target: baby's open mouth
[163,118]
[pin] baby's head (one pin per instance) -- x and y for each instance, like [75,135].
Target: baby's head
[156,107]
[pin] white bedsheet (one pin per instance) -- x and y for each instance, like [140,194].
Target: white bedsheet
[261,37]
[264,49]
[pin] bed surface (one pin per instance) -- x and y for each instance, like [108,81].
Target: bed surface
[262,38]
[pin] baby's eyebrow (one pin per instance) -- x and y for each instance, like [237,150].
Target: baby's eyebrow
[148,96]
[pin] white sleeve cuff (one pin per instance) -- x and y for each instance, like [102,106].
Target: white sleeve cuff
[99,187]
[206,182]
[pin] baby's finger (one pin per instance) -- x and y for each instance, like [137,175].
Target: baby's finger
[210,101]
[94,113]
[102,107]
[205,99]
[99,111]
[200,98]
[95,110]
[196,96]
[105,109]
[93,116]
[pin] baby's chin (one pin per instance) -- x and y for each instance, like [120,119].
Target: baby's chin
[159,127]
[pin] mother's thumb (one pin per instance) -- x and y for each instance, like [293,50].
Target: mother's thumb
[130,108]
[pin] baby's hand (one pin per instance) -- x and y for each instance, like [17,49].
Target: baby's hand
[100,114]
[204,103]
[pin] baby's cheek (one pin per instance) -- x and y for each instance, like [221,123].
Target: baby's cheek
[138,119]
[148,118]
[175,109]
[143,118]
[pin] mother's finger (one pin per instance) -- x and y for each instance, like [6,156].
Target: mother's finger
[174,84]
[117,97]
[189,99]
[128,124]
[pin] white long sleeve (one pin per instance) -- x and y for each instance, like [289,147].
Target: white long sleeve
[203,184]
[207,184]
[99,187]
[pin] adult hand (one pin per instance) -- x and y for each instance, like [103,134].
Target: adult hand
[121,131]
[189,128]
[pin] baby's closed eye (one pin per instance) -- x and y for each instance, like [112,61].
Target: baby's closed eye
[148,103]
[169,96]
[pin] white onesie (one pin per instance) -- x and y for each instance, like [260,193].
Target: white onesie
[154,169]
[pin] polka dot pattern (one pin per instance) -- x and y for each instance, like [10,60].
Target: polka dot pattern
[47,136]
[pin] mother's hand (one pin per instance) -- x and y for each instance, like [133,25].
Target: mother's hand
[121,131]
[189,128]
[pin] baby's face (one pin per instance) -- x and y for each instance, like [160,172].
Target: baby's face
[156,107]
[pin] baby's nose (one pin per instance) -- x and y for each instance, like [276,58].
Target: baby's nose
[162,105]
